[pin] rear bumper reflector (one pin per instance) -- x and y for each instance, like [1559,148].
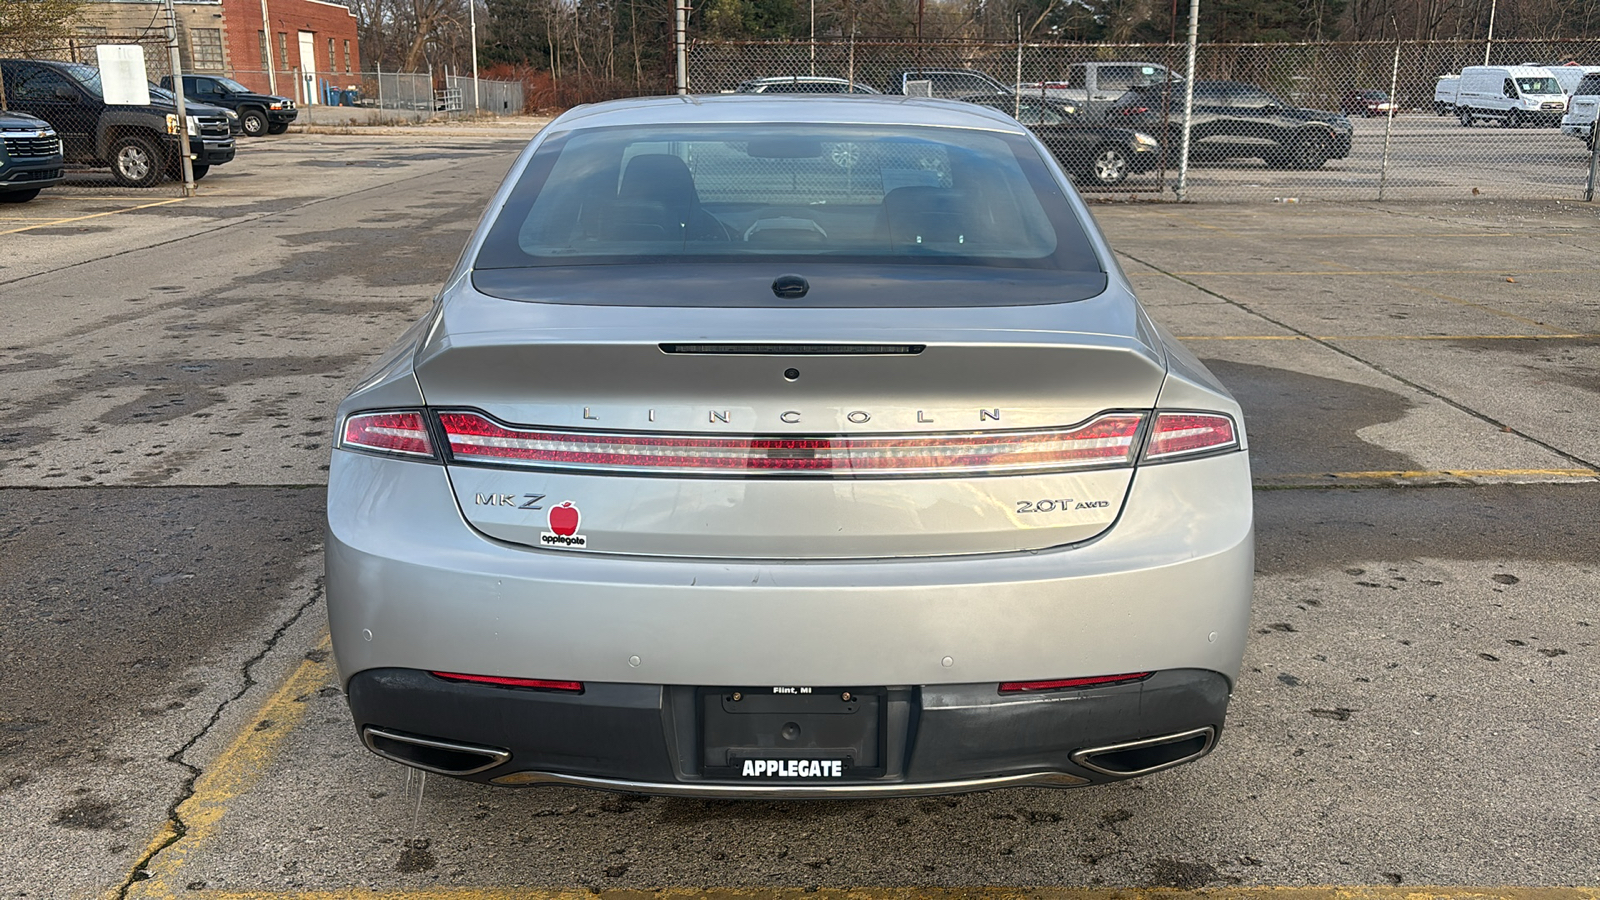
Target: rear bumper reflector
[1106,440]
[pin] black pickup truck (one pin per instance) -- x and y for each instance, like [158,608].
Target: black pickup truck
[259,114]
[140,144]
[30,157]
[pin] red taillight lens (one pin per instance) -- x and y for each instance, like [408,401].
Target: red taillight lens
[404,433]
[538,684]
[1021,687]
[1105,440]
[1181,434]
[1134,110]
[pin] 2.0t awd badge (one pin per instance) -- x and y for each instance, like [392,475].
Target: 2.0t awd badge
[563,527]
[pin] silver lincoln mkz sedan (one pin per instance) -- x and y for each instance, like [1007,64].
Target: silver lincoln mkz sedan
[765,447]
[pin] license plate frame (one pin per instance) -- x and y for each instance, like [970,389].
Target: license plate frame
[837,740]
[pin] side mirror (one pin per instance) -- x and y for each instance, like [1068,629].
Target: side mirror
[65,93]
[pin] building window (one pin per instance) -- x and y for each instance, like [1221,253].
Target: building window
[283,51]
[347,57]
[261,38]
[333,64]
[206,46]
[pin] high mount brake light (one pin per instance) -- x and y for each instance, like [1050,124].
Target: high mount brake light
[1106,440]
[403,433]
[1183,434]
[538,684]
[1058,684]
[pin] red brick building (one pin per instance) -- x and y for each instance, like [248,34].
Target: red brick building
[312,44]
[313,38]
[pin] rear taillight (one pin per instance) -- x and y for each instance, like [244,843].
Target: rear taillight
[402,433]
[1107,440]
[1059,684]
[1134,110]
[537,684]
[1178,434]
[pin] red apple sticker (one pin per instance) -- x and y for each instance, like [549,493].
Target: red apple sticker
[564,519]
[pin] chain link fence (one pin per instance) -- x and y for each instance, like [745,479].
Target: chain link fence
[110,151]
[1284,122]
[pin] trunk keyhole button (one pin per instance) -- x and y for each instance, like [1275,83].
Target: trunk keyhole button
[790,287]
[791,731]
[791,374]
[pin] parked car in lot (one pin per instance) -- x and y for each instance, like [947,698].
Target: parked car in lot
[1092,87]
[1366,103]
[1582,109]
[1099,156]
[30,157]
[1236,120]
[946,83]
[1511,95]
[138,143]
[258,114]
[802,84]
[720,470]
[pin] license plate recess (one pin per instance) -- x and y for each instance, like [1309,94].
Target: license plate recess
[838,732]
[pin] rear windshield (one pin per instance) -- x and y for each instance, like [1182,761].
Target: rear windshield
[824,193]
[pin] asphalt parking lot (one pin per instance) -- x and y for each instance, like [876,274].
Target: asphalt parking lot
[1417,715]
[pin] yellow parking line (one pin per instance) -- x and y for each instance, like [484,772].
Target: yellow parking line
[94,215]
[233,772]
[1340,892]
[1443,473]
[1394,273]
[1389,337]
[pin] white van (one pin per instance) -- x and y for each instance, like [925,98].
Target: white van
[1511,95]
[1583,109]
[1444,94]
[1569,77]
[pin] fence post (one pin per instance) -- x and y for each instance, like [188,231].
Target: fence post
[1594,160]
[680,25]
[1388,122]
[1016,97]
[1188,100]
[380,85]
[185,163]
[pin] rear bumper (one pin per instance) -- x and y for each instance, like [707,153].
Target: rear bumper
[644,738]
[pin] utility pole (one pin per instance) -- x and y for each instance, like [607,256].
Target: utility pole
[186,163]
[813,37]
[472,17]
[266,48]
[680,35]
[1188,100]
[1490,42]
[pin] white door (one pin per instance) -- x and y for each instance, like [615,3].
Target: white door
[308,68]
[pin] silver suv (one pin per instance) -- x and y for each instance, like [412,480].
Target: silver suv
[1582,109]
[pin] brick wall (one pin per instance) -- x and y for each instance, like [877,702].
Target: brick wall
[325,21]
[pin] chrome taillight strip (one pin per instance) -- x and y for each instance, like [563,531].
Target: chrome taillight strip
[1107,440]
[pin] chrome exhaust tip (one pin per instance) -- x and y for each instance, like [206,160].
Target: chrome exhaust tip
[431,754]
[1148,755]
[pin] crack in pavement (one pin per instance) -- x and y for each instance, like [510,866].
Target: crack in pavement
[1416,386]
[174,829]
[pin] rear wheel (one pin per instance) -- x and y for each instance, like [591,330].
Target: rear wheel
[253,121]
[1466,117]
[1309,151]
[1109,166]
[1513,119]
[200,171]
[277,127]
[19,196]
[135,161]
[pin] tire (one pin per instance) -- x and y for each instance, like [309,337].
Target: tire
[253,121]
[277,127]
[19,196]
[136,161]
[1465,115]
[1108,167]
[200,171]
[1309,151]
[1513,119]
